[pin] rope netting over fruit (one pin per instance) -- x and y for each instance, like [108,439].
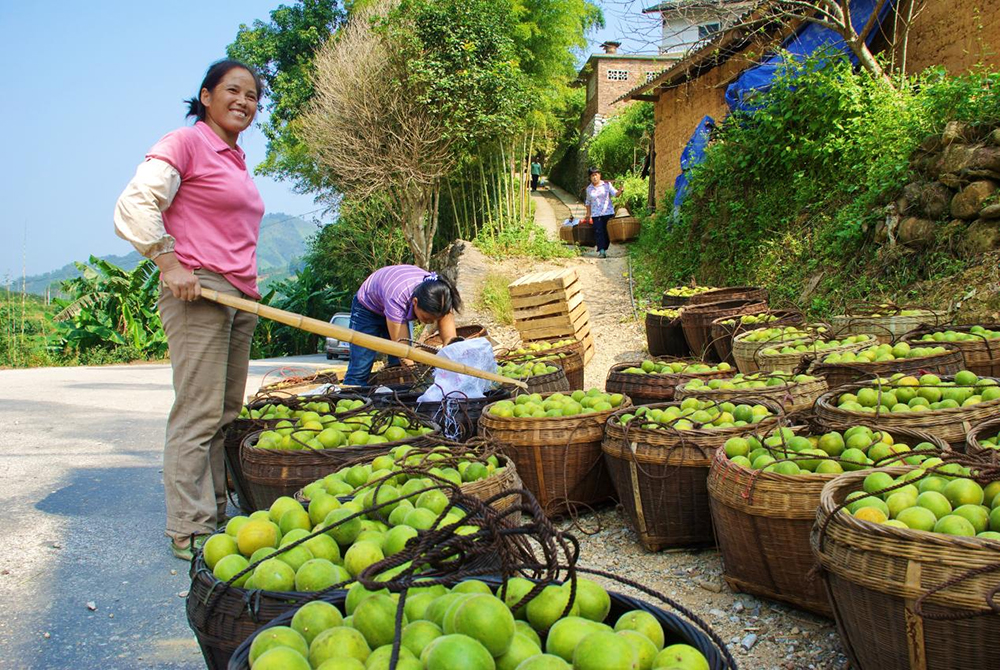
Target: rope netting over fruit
[470,538]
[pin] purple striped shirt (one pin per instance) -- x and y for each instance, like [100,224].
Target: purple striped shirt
[389,291]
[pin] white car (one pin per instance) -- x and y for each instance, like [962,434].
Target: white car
[334,347]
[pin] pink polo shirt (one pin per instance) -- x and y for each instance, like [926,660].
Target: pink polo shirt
[215,216]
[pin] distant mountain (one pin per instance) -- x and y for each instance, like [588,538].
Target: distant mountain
[283,242]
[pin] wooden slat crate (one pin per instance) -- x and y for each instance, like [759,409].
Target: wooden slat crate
[550,305]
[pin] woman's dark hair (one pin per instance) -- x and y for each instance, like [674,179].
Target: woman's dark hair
[216,71]
[437,296]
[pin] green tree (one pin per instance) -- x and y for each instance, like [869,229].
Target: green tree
[110,308]
[622,143]
[282,51]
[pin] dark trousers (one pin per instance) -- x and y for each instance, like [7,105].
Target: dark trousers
[601,232]
[534,182]
[360,364]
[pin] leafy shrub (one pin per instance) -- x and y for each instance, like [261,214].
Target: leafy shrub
[524,239]
[620,147]
[633,193]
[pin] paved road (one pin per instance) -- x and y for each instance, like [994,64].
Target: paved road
[82,519]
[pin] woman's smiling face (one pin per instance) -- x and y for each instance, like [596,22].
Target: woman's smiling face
[232,104]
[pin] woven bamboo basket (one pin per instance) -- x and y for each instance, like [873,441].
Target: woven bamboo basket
[558,458]
[887,328]
[584,235]
[270,474]
[974,447]
[661,478]
[982,356]
[839,374]
[875,575]
[696,320]
[551,382]
[676,630]
[723,332]
[623,229]
[399,375]
[680,300]
[646,389]
[746,352]
[566,234]
[240,428]
[763,521]
[791,362]
[571,360]
[465,332]
[300,383]
[792,396]
[747,293]
[222,618]
[665,336]
[950,425]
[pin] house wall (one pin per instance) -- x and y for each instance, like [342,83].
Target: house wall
[601,104]
[680,30]
[957,34]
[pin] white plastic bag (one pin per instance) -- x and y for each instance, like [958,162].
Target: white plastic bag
[476,353]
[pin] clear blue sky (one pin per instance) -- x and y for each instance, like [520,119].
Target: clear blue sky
[89,87]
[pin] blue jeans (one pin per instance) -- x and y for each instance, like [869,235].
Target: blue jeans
[365,321]
[601,232]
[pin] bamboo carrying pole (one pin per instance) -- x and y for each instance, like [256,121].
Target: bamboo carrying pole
[378,344]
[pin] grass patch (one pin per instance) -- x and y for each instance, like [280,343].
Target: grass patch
[495,298]
[524,239]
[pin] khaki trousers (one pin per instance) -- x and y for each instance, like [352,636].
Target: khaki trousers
[210,356]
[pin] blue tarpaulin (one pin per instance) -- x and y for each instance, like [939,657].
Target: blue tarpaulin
[693,154]
[809,39]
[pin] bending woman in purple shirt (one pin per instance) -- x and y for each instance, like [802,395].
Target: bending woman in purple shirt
[388,300]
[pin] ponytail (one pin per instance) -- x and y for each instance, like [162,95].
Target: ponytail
[437,296]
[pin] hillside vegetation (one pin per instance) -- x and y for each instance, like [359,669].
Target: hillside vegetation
[795,196]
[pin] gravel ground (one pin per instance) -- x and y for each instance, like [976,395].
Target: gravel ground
[761,634]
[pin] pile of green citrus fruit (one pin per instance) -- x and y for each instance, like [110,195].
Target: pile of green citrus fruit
[859,447]
[687,291]
[667,312]
[927,393]
[471,628]
[533,406]
[975,334]
[541,347]
[752,319]
[282,411]
[439,462]
[695,414]
[944,501]
[740,381]
[338,554]
[811,346]
[885,352]
[675,368]
[781,334]
[325,431]
[523,370]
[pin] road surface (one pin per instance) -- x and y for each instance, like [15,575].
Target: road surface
[87,579]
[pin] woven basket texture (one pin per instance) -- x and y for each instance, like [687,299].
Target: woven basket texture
[623,229]
[270,474]
[973,447]
[747,293]
[466,332]
[791,362]
[558,458]
[571,362]
[793,396]
[584,235]
[696,320]
[840,374]
[746,353]
[887,328]
[951,425]
[665,336]
[874,575]
[646,389]
[723,333]
[399,375]
[982,356]
[661,479]
[551,382]
[763,521]
[465,411]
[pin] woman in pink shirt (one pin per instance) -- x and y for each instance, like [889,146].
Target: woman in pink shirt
[193,208]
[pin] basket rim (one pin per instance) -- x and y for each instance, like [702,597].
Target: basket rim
[853,479]
[548,422]
[349,449]
[614,421]
[972,438]
[780,313]
[824,402]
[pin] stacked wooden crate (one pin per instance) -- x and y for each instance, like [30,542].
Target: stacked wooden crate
[549,305]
